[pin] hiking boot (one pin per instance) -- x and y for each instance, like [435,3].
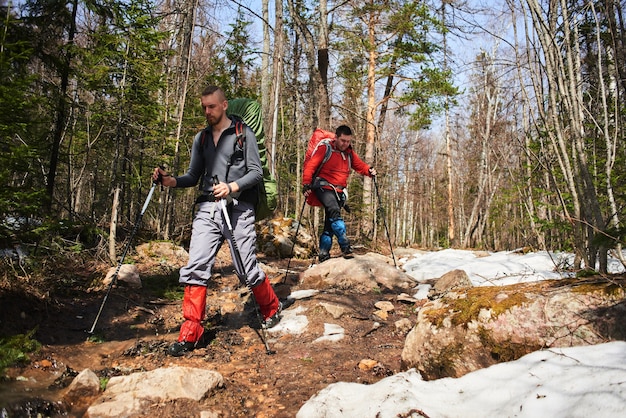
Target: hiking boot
[286,303]
[273,320]
[180,348]
[323,256]
[347,250]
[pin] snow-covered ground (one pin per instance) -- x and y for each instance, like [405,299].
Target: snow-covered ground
[495,269]
[568,382]
[492,269]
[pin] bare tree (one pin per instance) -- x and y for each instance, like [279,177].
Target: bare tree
[563,114]
[181,25]
[605,125]
[486,106]
[448,139]
[317,66]
[277,72]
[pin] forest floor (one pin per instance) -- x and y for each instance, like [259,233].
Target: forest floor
[137,326]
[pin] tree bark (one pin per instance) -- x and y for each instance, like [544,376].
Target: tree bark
[367,226]
[277,71]
[565,118]
[61,117]
[113,225]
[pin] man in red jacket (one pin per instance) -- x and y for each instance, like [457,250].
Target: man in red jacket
[329,185]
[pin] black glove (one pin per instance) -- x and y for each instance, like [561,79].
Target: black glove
[306,187]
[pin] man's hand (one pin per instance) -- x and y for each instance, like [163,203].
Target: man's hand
[222,190]
[372,171]
[306,190]
[160,176]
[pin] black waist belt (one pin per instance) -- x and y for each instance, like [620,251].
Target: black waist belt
[205,198]
[320,183]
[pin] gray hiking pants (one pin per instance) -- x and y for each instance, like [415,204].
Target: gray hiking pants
[208,233]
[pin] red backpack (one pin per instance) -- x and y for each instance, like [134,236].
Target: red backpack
[319,139]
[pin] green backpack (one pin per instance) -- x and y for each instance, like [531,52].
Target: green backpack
[249,111]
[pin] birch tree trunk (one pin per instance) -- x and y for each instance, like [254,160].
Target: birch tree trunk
[523,61]
[564,116]
[185,23]
[113,225]
[118,159]
[484,119]
[605,128]
[266,80]
[277,71]
[451,227]
[367,226]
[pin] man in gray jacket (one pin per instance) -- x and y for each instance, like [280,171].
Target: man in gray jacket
[216,154]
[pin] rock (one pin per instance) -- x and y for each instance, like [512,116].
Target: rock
[228,308]
[382,314]
[403,325]
[367,364]
[384,305]
[83,390]
[403,297]
[454,280]
[455,336]
[126,395]
[275,238]
[129,273]
[360,274]
[45,363]
[162,252]
[335,310]
[270,270]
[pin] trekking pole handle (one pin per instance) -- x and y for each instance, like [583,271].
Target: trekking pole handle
[159,179]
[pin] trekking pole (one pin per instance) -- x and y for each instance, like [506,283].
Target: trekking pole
[295,238]
[239,261]
[380,204]
[119,265]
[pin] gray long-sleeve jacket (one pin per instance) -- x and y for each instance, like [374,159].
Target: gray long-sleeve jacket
[208,160]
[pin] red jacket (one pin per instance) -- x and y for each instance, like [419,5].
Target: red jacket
[335,171]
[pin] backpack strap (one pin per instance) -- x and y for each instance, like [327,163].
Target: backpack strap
[239,132]
[240,139]
[250,195]
[327,155]
[203,137]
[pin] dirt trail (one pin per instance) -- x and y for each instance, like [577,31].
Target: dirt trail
[136,327]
